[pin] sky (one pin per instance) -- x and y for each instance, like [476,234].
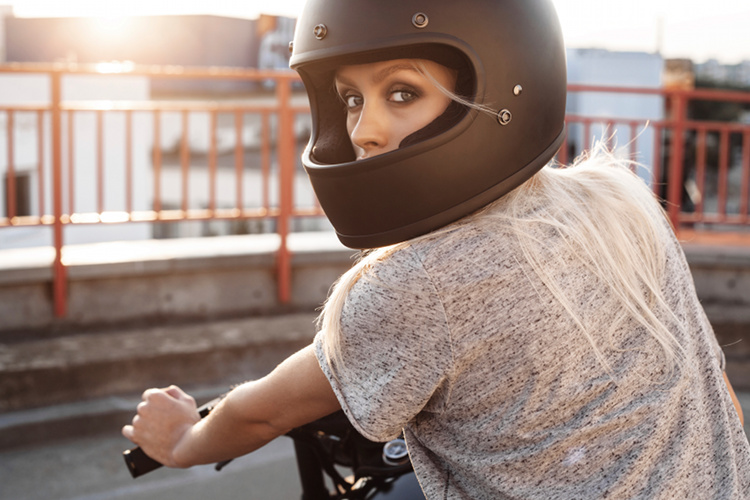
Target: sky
[699,30]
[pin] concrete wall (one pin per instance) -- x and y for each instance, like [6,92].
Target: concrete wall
[722,280]
[161,281]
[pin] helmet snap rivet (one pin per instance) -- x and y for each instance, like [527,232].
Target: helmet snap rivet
[517,90]
[320,31]
[420,20]
[504,117]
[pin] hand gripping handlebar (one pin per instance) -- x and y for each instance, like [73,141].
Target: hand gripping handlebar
[139,463]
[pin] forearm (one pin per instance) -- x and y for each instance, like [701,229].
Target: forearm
[168,428]
[236,426]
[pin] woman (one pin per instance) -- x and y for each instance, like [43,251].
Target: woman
[533,331]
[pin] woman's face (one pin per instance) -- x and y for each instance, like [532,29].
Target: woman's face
[389,100]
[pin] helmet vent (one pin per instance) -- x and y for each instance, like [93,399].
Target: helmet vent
[320,31]
[420,20]
[504,117]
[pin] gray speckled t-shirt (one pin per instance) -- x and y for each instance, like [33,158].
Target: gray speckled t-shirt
[456,341]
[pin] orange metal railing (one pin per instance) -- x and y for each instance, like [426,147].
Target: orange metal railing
[62,115]
[679,150]
[680,156]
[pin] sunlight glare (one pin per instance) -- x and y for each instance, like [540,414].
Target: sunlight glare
[705,29]
[115,67]
[111,28]
[113,217]
[111,9]
[124,8]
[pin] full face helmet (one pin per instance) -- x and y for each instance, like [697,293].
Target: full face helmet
[510,57]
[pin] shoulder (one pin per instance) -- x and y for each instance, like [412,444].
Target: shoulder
[488,231]
[393,286]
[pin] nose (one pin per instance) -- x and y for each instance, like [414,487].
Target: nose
[369,135]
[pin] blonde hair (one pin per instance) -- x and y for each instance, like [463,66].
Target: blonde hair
[604,212]
[463,100]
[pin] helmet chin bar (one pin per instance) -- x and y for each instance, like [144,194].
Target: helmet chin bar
[451,214]
[511,54]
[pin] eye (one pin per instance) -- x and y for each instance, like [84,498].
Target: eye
[352,100]
[403,95]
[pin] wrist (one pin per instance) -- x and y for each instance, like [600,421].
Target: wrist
[183,453]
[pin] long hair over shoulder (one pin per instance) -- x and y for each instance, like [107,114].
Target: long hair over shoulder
[602,210]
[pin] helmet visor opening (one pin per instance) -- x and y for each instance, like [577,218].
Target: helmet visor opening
[331,142]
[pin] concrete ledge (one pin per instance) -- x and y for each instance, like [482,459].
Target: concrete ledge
[127,258]
[89,384]
[202,278]
[98,364]
[719,256]
[160,280]
[120,284]
[722,280]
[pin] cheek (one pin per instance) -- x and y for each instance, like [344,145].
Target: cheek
[441,104]
[351,122]
[423,115]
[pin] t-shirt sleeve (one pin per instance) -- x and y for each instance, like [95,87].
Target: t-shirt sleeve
[683,278]
[395,348]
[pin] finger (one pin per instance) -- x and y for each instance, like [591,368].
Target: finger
[150,393]
[174,391]
[127,431]
[156,397]
[179,394]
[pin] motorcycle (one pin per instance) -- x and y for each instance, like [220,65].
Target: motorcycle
[325,450]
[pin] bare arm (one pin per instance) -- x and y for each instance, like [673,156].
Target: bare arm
[734,399]
[168,428]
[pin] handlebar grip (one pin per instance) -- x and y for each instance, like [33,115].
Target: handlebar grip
[138,462]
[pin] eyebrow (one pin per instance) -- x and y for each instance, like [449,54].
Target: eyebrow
[382,74]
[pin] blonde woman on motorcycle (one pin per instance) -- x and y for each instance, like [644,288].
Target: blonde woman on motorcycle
[532,330]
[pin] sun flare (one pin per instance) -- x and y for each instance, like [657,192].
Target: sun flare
[112,9]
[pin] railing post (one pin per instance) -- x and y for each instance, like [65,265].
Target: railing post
[11,175]
[286,148]
[59,276]
[677,156]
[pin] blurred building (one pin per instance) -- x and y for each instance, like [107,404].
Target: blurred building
[274,33]
[679,74]
[5,11]
[733,74]
[189,40]
[616,69]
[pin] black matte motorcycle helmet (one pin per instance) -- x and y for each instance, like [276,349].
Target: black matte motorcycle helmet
[510,57]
